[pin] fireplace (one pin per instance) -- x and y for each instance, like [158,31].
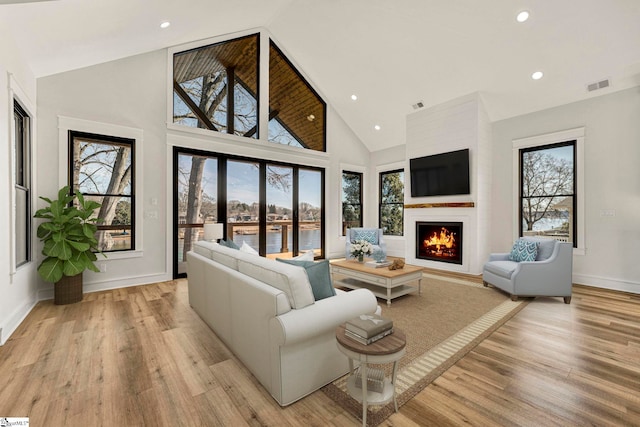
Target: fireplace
[439,241]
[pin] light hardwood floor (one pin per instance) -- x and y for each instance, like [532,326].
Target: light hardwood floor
[140,356]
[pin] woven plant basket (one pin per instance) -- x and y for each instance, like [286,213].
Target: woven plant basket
[68,290]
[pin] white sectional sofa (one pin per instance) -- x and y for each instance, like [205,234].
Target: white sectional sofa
[264,311]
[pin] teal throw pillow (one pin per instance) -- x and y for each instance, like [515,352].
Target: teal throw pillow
[319,276]
[370,235]
[229,243]
[524,250]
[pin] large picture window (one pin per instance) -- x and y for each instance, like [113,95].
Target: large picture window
[275,208]
[22,167]
[548,191]
[391,209]
[101,167]
[351,200]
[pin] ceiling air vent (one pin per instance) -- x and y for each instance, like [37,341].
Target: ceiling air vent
[418,105]
[598,85]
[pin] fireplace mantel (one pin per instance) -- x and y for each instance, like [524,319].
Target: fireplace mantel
[441,205]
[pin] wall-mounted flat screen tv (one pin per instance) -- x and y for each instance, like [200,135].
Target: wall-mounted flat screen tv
[440,174]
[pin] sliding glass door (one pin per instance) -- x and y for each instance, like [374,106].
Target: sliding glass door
[275,208]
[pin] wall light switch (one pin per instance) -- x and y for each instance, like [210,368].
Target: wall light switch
[153,201]
[608,212]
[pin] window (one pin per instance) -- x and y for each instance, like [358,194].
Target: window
[297,114]
[391,210]
[22,162]
[102,168]
[351,200]
[275,208]
[548,191]
[216,87]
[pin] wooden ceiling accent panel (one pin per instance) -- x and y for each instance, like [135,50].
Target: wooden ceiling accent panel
[240,54]
[296,101]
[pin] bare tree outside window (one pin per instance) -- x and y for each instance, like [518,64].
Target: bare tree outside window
[102,170]
[548,191]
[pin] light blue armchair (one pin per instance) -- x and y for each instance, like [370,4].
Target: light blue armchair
[549,275]
[371,235]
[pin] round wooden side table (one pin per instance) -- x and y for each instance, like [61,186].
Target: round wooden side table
[389,349]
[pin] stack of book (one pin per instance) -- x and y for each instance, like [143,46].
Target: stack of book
[368,328]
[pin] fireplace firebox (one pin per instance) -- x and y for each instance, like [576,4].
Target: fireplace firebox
[439,241]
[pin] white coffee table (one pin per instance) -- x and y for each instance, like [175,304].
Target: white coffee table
[384,283]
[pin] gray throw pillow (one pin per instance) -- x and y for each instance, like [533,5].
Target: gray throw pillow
[319,276]
[229,243]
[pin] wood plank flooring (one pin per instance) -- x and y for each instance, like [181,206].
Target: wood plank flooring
[140,356]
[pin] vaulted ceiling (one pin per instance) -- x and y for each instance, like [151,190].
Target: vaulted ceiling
[391,54]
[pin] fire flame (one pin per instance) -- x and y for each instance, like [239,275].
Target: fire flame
[443,239]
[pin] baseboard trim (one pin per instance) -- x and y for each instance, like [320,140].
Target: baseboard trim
[106,285]
[15,319]
[607,283]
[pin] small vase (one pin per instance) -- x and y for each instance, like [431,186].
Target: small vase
[361,258]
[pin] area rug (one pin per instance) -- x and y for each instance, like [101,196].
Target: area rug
[442,324]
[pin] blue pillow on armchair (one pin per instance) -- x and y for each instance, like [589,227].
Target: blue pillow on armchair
[524,250]
[370,235]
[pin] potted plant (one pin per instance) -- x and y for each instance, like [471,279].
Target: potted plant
[70,245]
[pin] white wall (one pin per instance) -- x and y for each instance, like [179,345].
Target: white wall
[612,183]
[17,286]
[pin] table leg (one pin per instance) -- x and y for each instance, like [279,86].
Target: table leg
[363,376]
[393,382]
[420,286]
[388,295]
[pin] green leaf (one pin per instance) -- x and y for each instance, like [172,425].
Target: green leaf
[74,266]
[79,246]
[51,269]
[60,249]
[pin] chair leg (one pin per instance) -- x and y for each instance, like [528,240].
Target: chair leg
[514,297]
[567,300]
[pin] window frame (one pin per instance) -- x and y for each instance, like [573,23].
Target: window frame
[67,124]
[381,204]
[577,135]
[342,203]
[22,180]
[115,141]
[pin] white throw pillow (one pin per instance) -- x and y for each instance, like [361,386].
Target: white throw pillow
[307,256]
[248,249]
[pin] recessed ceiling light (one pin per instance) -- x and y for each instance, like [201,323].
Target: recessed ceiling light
[537,75]
[377,127]
[522,16]
[165,24]
[354,97]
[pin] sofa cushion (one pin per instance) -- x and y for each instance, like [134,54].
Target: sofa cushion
[225,255]
[368,234]
[524,250]
[290,279]
[501,268]
[545,247]
[204,248]
[319,276]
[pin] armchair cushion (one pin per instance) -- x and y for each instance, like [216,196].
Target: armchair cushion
[524,250]
[502,268]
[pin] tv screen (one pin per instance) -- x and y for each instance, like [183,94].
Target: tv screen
[440,174]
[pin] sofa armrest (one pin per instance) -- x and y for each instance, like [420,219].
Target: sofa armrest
[323,316]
